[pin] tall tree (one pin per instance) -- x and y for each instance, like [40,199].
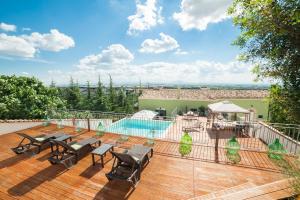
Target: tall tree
[100,100]
[73,95]
[52,84]
[26,98]
[121,100]
[87,102]
[111,94]
[270,38]
[130,103]
[88,90]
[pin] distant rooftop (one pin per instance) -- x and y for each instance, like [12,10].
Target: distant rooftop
[203,94]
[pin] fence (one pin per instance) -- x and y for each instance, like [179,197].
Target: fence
[174,112]
[253,136]
[17,125]
[288,135]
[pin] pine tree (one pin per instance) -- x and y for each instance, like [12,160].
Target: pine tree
[52,84]
[88,90]
[73,95]
[87,103]
[129,103]
[121,100]
[111,95]
[100,100]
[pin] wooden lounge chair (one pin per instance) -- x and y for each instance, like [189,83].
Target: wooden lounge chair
[127,166]
[69,154]
[36,141]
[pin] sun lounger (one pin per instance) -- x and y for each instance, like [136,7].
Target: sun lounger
[36,141]
[142,153]
[196,127]
[70,153]
[127,166]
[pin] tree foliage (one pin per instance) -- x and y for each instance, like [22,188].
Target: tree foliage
[270,38]
[100,99]
[26,98]
[72,95]
[278,109]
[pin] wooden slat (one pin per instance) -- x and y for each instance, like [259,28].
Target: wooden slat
[168,176]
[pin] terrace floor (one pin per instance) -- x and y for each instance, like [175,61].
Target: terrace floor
[202,134]
[166,177]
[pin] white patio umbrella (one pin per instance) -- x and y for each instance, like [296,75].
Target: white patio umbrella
[144,114]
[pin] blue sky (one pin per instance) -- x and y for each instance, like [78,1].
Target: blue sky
[155,41]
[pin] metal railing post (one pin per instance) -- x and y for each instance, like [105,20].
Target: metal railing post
[217,146]
[89,125]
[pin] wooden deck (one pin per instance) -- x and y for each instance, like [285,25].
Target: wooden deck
[166,177]
[202,134]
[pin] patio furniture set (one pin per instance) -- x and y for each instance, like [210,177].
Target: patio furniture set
[127,166]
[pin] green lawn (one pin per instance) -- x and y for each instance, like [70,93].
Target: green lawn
[260,106]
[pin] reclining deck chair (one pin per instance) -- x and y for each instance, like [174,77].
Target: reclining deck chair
[36,141]
[127,166]
[69,154]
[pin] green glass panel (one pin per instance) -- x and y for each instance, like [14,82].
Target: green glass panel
[235,158]
[100,129]
[59,124]
[77,127]
[151,138]
[232,146]
[124,137]
[46,121]
[276,150]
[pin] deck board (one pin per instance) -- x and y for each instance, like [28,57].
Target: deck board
[168,176]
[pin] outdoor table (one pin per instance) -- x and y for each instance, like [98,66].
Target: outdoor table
[101,151]
[64,138]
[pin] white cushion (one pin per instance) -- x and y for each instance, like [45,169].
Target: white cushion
[76,146]
[40,139]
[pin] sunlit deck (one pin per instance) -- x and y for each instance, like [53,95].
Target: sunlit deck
[166,177]
[201,133]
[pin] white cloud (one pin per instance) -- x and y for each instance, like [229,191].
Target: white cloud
[163,72]
[53,41]
[164,44]
[27,46]
[147,16]
[7,27]
[26,29]
[55,72]
[113,55]
[197,14]
[16,46]
[180,52]
[25,73]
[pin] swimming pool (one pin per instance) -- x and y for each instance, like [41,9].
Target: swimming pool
[140,127]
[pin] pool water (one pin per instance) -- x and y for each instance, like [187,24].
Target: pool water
[140,127]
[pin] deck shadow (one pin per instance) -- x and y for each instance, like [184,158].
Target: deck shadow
[91,171]
[115,190]
[13,160]
[44,157]
[37,179]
